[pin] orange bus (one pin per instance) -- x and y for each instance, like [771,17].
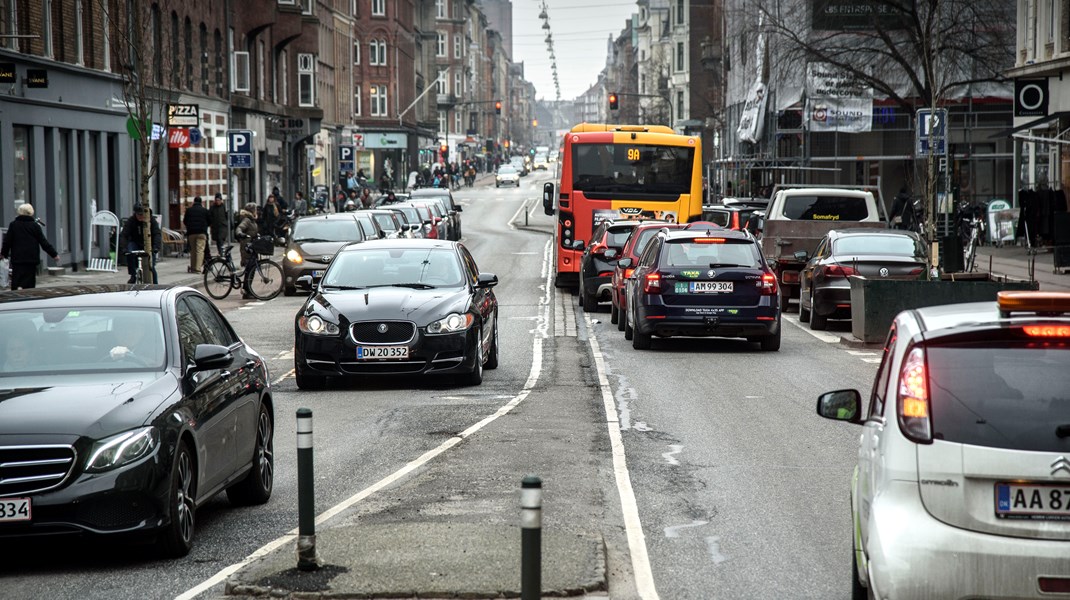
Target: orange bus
[619,172]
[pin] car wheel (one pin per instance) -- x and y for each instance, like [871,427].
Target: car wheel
[289,291]
[492,356]
[256,487]
[628,331]
[590,303]
[614,314]
[177,537]
[621,317]
[804,313]
[640,340]
[476,376]
[858,591]
[817,322]
[785,299]
[770,343]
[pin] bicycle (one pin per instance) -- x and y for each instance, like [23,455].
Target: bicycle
[139,273]
[263,280]
[971,230]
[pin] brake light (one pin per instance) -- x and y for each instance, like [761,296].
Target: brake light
[432,233]
[913,406]
[838,271]
[628,273]
[652,283]
[598,249]
[708,240]
[605,274]
[768,284]
[1048,331]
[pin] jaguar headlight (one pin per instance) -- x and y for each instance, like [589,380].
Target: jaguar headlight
[452,323]
[122,449]
[317,325]
[294,256]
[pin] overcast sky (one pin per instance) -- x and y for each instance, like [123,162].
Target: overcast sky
[580,29]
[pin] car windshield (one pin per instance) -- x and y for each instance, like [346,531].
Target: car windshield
[326,230]
[1008,395]
[878,244]
[79,340]
[825,208]
[506,171]
[385,222]
[377,267]
[688,253]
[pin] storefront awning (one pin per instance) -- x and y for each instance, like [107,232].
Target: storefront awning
[1030,125]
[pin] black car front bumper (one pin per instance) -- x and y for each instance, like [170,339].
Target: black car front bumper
[451,353]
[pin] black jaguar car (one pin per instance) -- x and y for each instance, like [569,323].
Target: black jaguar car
[398,307]
[124,409]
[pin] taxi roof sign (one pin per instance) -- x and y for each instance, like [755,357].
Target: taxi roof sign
[1046,303]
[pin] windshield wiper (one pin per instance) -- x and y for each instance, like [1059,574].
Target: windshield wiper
[415,286]
[723,265]
[343,287]
[297,240]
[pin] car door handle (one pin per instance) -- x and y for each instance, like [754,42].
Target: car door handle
[225,375]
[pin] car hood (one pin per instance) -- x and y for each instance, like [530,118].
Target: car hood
[92,405]
[390,303]
[318,248]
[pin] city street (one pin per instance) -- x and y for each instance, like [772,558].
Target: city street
[739,489]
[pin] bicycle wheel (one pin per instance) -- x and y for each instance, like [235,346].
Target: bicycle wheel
[970,253]
[266,281]
[217,279]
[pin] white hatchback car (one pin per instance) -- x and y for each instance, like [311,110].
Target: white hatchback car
[506,175]
[962,488]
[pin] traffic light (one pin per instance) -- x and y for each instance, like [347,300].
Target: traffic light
[614,104]
[445,150]
[498,107]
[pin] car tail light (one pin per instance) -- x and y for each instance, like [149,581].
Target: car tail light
[1047,331]
[628,273]
[768,284]
[432,233]
[1054,585]
[566,230]
[708,240]
[838,271]
[916,272]
[605,274]
[652,283]
[914,403]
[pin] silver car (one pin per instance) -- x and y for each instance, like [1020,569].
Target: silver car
[962,488]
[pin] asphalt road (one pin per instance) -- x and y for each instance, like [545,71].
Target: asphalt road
[740,491]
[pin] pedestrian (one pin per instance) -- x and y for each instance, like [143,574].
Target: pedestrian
[903,210]
[22,246]
[365,198]
[247,230]
[280,202]
[217,222]
[300,204]
[269,216]
[351,181]
[132,238]
[196,221]
[339,198]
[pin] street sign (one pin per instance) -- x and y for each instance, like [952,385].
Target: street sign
[931,133]
[239,148]
[310,155]
[358,140]
[346,156]
[195,136]
[183,115]
[177,137]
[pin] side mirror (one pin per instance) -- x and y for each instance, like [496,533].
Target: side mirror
[577,245]
[841,405]
[625,263]
[458,208]
[548,198]
[611,254]
[801,255]
[487,280]
[211,356]
[304,282]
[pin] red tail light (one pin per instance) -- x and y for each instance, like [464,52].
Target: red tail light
[708,240]
[1051,331]
[432,233]
[838,271]
[598,249]
[652,283]
[913,410]
[605,274]
[768,284]
[628,273]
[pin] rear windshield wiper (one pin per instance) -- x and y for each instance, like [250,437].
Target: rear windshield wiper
[723,265]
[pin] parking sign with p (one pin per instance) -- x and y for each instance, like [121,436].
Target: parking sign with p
[345,158]
[239,148]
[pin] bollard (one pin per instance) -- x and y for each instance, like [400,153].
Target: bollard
[306,502]
[531,538]
[525,214]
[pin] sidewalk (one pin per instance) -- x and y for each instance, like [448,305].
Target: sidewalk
[1014,262]
[171,271]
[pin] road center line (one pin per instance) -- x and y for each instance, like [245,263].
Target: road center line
[644,577]
[533,377]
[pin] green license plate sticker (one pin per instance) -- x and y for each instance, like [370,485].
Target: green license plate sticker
[681,287]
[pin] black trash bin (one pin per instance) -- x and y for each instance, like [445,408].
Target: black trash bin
[951,254]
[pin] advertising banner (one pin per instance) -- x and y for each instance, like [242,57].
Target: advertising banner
[837,100]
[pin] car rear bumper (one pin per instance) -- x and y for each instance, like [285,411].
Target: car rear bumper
[701,321]
[832,297]
[428,354]
[913,555]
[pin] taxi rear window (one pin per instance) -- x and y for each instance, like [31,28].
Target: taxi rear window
[688,253]
[825,208]
[1011,395]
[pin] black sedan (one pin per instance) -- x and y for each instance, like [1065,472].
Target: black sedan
[398,307]
[312,244]
[124,409]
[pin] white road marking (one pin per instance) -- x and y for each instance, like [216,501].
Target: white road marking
[533,377]
[668,456]
[523,205]
[861,353]
[288,354]
[523,253]
[713,545]
[872,360]
[673,531]
[644,576]
[754,397]
[821,335]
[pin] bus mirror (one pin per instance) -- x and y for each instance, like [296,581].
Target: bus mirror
[577,245]
[548,198]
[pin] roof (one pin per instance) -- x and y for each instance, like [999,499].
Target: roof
[144,296]
[400,243]
[870,231]
[682,234]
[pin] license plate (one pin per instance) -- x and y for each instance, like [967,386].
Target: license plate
[317,273]
[14,509]
[387,352]
[711,287]
[1026,501]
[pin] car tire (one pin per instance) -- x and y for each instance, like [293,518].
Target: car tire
[785,299]
[620,319]
[770,343]
[858,591]
[176,540]
[289,291]
[255,487]
[804,313]
[628,331]
[817,322]
[476,376]
[614,314]
[492,356]
[640,340]
[590,303]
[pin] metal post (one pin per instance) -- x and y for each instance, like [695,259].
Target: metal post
[531,538]
[306,502]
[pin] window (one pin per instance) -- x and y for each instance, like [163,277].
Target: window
[21,167]
[356,53]
[379,8]
[382,52]
[306,79]
[241,72]
[679,105]
[218,64]
[356,102]
[378,97]
[457,45]
[176,74]
[377,52]
[440,9]
[9,26]
[441,48]
[681,12]
[260,75]
[458,121]
[46,27]
[306,7]
[204,59]
[79,43]
[458,83]
[188,39]
[442,84]
[679,56]
[288,2]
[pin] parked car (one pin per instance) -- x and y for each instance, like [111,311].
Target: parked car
[123,410]
[401,307]
[694,282]
[738,216]
[372,230]
[430,229]
[506,175]
[598,258]
[388,221]
[874,253]
[312,244]
[962,485]
[450,208]
[410,218]
[440,222]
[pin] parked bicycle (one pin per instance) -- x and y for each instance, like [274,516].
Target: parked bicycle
[262,278]
[971,232]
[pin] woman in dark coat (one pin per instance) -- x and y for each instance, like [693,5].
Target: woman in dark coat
[23,243]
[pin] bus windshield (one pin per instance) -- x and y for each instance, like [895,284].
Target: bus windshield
[632,168]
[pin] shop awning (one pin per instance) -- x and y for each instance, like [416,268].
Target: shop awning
[1030,125]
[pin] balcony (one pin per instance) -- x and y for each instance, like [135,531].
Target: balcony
[445,99]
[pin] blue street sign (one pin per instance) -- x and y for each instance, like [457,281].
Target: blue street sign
[346,158]
[195,136]
[239,148]
[931,133]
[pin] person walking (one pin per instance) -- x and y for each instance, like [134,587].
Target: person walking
[22,246]
[269,216]
[196,221]
[246,230]
[132,238]
[217,223]
[300,204]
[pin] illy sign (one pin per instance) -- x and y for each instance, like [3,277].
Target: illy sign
[178,138]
